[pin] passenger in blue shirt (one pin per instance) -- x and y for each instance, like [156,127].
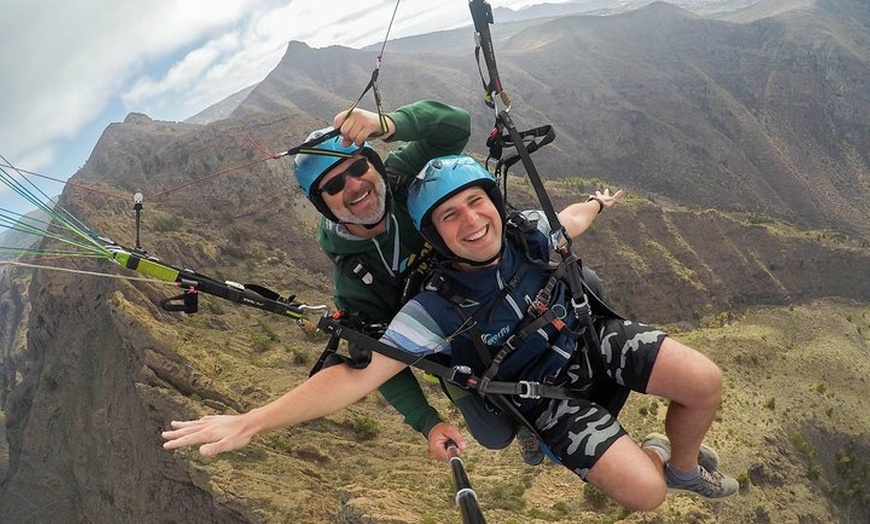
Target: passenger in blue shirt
[483,299]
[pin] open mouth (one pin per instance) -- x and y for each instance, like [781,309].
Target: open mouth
[359,199]
[477,235]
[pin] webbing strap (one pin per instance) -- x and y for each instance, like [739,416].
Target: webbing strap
[510,345]
[482,16]
[307,147]
[457,375]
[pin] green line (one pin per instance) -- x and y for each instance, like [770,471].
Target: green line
[66,222]
[37,251]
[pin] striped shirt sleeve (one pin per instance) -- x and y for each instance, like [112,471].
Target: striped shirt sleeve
[414,330]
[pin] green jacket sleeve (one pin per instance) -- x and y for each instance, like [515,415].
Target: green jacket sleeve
[403,392]
[431,129]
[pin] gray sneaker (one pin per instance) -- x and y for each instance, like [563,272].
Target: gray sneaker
[707,458]
[530,448]
[709,484]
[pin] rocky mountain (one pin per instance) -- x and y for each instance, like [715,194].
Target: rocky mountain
[728,147]
[763,111]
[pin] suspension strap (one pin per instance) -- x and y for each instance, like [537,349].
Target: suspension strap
[481,13]
[308,146]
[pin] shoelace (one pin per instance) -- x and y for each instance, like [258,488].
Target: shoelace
[711,477]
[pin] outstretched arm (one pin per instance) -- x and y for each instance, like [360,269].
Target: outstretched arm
[577,218]
[326,392]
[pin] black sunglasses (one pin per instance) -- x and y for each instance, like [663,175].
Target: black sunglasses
[336,184]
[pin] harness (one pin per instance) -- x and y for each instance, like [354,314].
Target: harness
[482,381]
[356,266]
[537,315]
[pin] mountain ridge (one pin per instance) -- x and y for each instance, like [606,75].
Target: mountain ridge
[786,131]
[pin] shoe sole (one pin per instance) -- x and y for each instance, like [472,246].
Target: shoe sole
[690,492]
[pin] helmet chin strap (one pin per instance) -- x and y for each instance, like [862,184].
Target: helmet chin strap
[372,226]
[476,263]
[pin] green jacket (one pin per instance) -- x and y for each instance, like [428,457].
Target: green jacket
[430,129]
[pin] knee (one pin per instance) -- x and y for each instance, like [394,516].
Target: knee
[709,385]
[630,476]
[646,497]
[686,376]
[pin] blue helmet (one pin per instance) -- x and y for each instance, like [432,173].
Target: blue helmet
[310,167]
[439,180]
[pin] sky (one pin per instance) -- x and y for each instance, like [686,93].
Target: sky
[69,69]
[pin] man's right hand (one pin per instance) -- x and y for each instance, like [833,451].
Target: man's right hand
[439,436]
[360,125]
[215,433]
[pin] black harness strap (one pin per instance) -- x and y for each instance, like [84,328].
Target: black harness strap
[461,376]
[358,356]
[355,266]
[335,328]
[481,13]
[498,140]
[409,282]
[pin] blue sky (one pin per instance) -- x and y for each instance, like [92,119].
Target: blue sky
[69,69]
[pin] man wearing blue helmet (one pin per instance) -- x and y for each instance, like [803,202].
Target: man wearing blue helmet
[379,256]
[495,285]
[480,312]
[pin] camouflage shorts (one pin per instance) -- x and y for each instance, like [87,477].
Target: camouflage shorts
[579,431]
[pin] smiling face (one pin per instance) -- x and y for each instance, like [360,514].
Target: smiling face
[362,200]
[470,225]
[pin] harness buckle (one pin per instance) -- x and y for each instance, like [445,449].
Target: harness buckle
[580,305]
[529,389]
[581,309]
[542,298]
[512,342]
[460,376]
[539,305]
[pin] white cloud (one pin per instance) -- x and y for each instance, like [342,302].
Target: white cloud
[184,73]
[63,63]
[69,65]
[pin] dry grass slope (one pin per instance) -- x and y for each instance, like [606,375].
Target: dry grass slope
[792,429]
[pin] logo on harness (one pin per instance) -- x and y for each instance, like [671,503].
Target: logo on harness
[494,339]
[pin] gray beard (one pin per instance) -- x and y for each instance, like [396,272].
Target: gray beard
[346,217]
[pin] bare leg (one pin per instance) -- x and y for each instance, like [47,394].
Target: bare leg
[630,476]
[693,384]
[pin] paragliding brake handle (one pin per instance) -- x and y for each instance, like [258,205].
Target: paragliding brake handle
[188,302]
